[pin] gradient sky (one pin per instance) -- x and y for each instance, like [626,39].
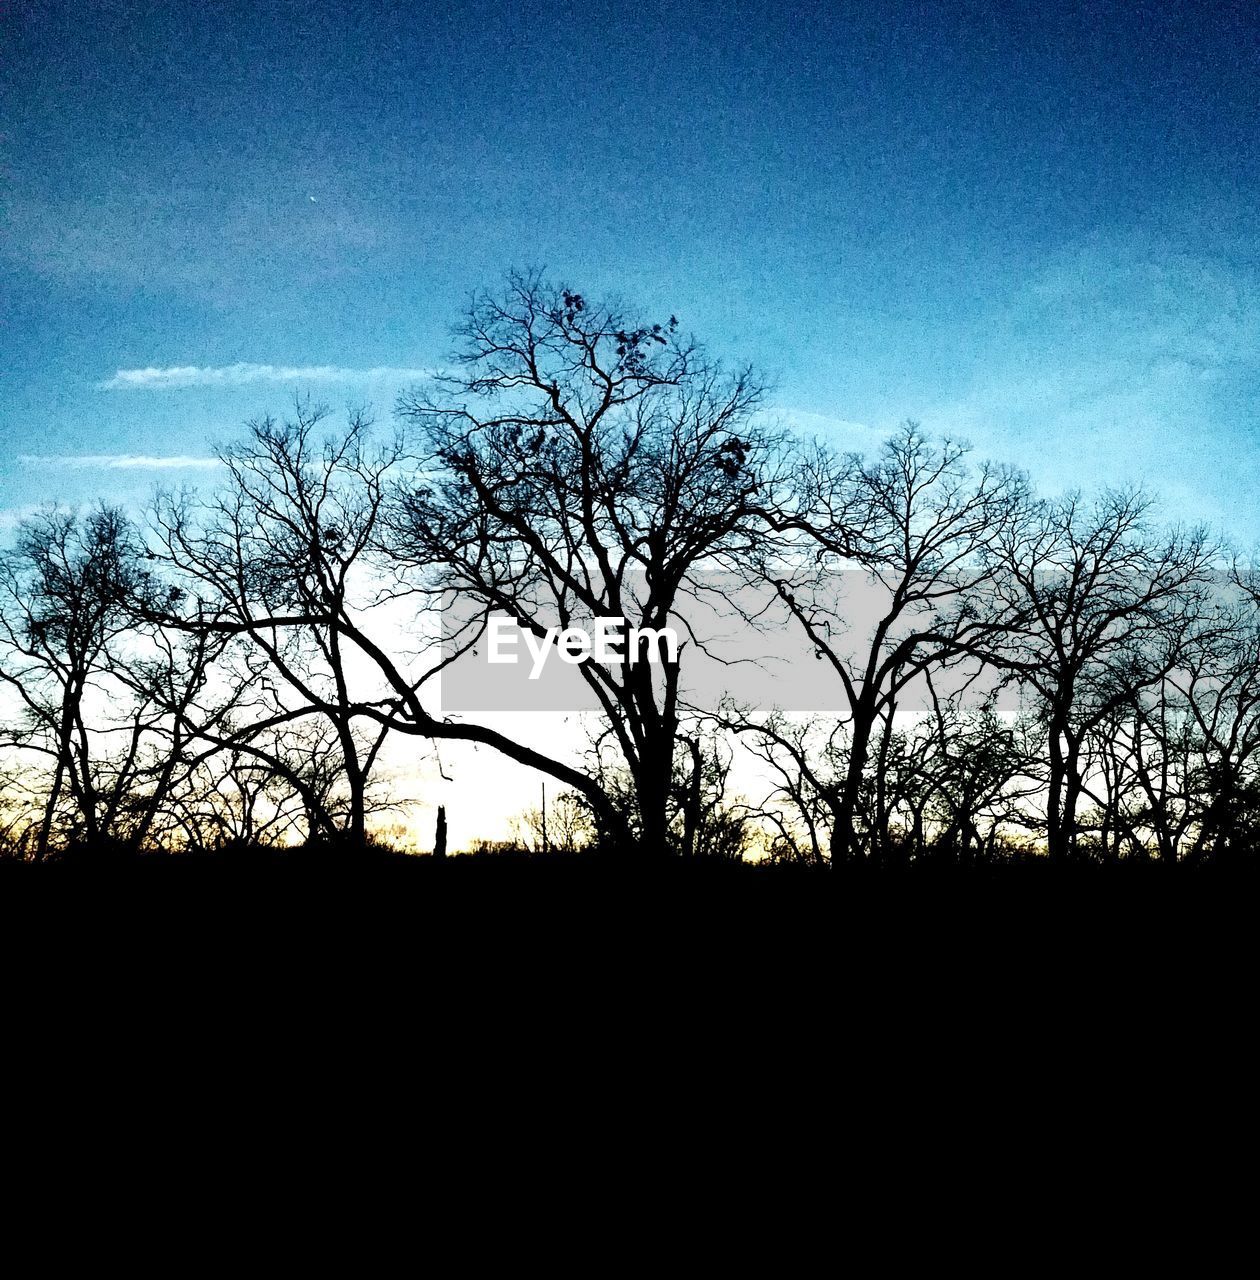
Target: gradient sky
[1033,225]
[1036,225]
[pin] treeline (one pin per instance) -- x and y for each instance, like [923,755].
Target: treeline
[1057,675]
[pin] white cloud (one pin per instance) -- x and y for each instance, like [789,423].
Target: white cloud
[235,375]
[841,433]
[11,517]
[114,461]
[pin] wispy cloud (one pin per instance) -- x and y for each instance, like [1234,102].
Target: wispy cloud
[235,375]
[176,232]
[1125,361]
[115,461]
[11,517]
[842,433]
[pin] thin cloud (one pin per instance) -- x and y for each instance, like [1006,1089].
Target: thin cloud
[11,517]
[241,374]
[841,432]
[115,461]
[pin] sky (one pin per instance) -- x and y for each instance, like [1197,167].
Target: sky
[1034,226]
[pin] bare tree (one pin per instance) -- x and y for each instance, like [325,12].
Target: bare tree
[281,555]
[1220,686]
[950,784]
[1180,760]
[71,658]
[914,526]
[1098,606]
[565,826]
[585,464]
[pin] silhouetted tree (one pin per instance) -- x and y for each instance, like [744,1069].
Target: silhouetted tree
[913,526]
[587,464]
[281,555]
[1098,606]
[84,672]
[231,675]
[948,784]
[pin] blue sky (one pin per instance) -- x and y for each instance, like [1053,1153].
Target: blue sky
[1036,225]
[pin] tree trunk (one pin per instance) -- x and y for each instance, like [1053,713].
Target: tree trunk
[1054,791]
[653,796]
[691,812]
[844,841]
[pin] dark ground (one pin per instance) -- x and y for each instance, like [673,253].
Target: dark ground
[400,896]
[570,965]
